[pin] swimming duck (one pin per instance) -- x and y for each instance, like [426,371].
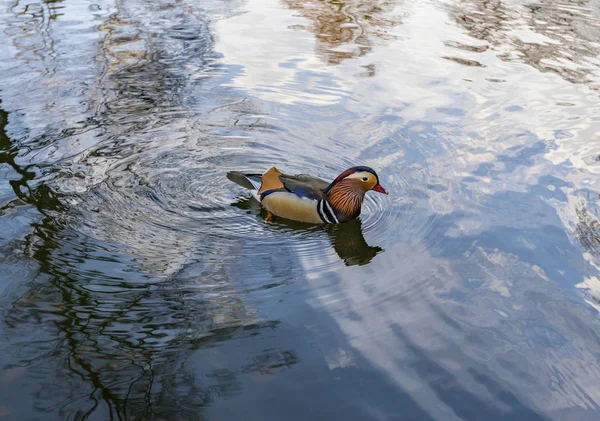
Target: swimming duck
[309,199]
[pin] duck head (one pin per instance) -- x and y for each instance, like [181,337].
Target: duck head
[347,192]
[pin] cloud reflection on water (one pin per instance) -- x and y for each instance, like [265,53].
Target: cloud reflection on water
[146,292]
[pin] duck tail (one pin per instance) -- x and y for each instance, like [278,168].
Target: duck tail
[247,181]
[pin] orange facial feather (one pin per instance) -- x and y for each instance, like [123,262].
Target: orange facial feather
[347,197]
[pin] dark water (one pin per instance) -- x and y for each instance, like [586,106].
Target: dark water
[137,283]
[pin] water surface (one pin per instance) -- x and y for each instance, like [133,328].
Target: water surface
[137,283]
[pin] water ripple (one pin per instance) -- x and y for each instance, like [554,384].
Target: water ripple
[139,282]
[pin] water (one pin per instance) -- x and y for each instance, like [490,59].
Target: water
[138,283]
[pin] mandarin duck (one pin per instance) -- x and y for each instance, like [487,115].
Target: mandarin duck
[309,199]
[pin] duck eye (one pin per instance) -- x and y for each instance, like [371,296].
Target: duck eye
[365,179]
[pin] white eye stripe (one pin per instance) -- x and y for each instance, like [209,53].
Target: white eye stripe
[360,175]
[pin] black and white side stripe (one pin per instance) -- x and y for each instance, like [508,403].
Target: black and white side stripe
[325,212]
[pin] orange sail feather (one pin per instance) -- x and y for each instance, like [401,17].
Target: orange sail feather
[270,180]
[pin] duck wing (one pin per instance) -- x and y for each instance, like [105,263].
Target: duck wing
[302,185]
[305,186]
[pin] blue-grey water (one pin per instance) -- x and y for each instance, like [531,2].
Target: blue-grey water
[138,283]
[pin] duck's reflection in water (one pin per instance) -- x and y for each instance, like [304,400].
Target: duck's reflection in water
[349,243]
[347,239]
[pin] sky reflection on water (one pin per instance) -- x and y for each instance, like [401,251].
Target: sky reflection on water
[137,283]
